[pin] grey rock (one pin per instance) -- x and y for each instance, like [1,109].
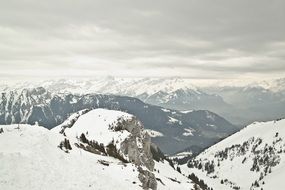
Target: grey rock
[137,146]
[148,179]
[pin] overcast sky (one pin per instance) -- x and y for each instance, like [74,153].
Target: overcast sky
[207,39]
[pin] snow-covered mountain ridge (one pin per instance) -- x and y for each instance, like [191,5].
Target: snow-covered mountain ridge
[253,158]
[170,128]
[101,149]
[109,85]
[157,91]
[239,101]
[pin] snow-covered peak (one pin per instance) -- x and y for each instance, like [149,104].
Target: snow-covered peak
[152,86]
[252,158]
[113,128]
[98,125]
[264,130]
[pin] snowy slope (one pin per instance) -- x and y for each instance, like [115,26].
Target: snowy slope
[253,158]
[96,124]
[31,158]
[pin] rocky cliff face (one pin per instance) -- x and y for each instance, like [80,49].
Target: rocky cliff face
[137,146]
[18,106]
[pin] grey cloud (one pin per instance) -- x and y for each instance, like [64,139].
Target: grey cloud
[189,36]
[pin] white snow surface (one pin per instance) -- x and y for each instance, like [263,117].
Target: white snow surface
[239,173]
[31,160]
[172,120]
[188,132]
[154,133]
[187,111]
[95,125]
[181,155]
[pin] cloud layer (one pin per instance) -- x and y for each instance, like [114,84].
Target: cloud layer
[187,38]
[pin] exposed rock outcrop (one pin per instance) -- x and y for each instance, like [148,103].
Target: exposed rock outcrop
[137,146]
[148,179]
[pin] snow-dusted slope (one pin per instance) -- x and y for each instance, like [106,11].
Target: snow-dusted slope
[253,158]
[96,124]
[33,157]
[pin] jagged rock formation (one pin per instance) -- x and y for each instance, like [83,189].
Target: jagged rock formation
[140,155]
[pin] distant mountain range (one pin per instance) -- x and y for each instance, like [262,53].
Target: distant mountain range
[251,103]
[170,129]
[240,102]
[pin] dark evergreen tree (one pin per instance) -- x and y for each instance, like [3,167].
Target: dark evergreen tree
[178,169]
[83,138]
